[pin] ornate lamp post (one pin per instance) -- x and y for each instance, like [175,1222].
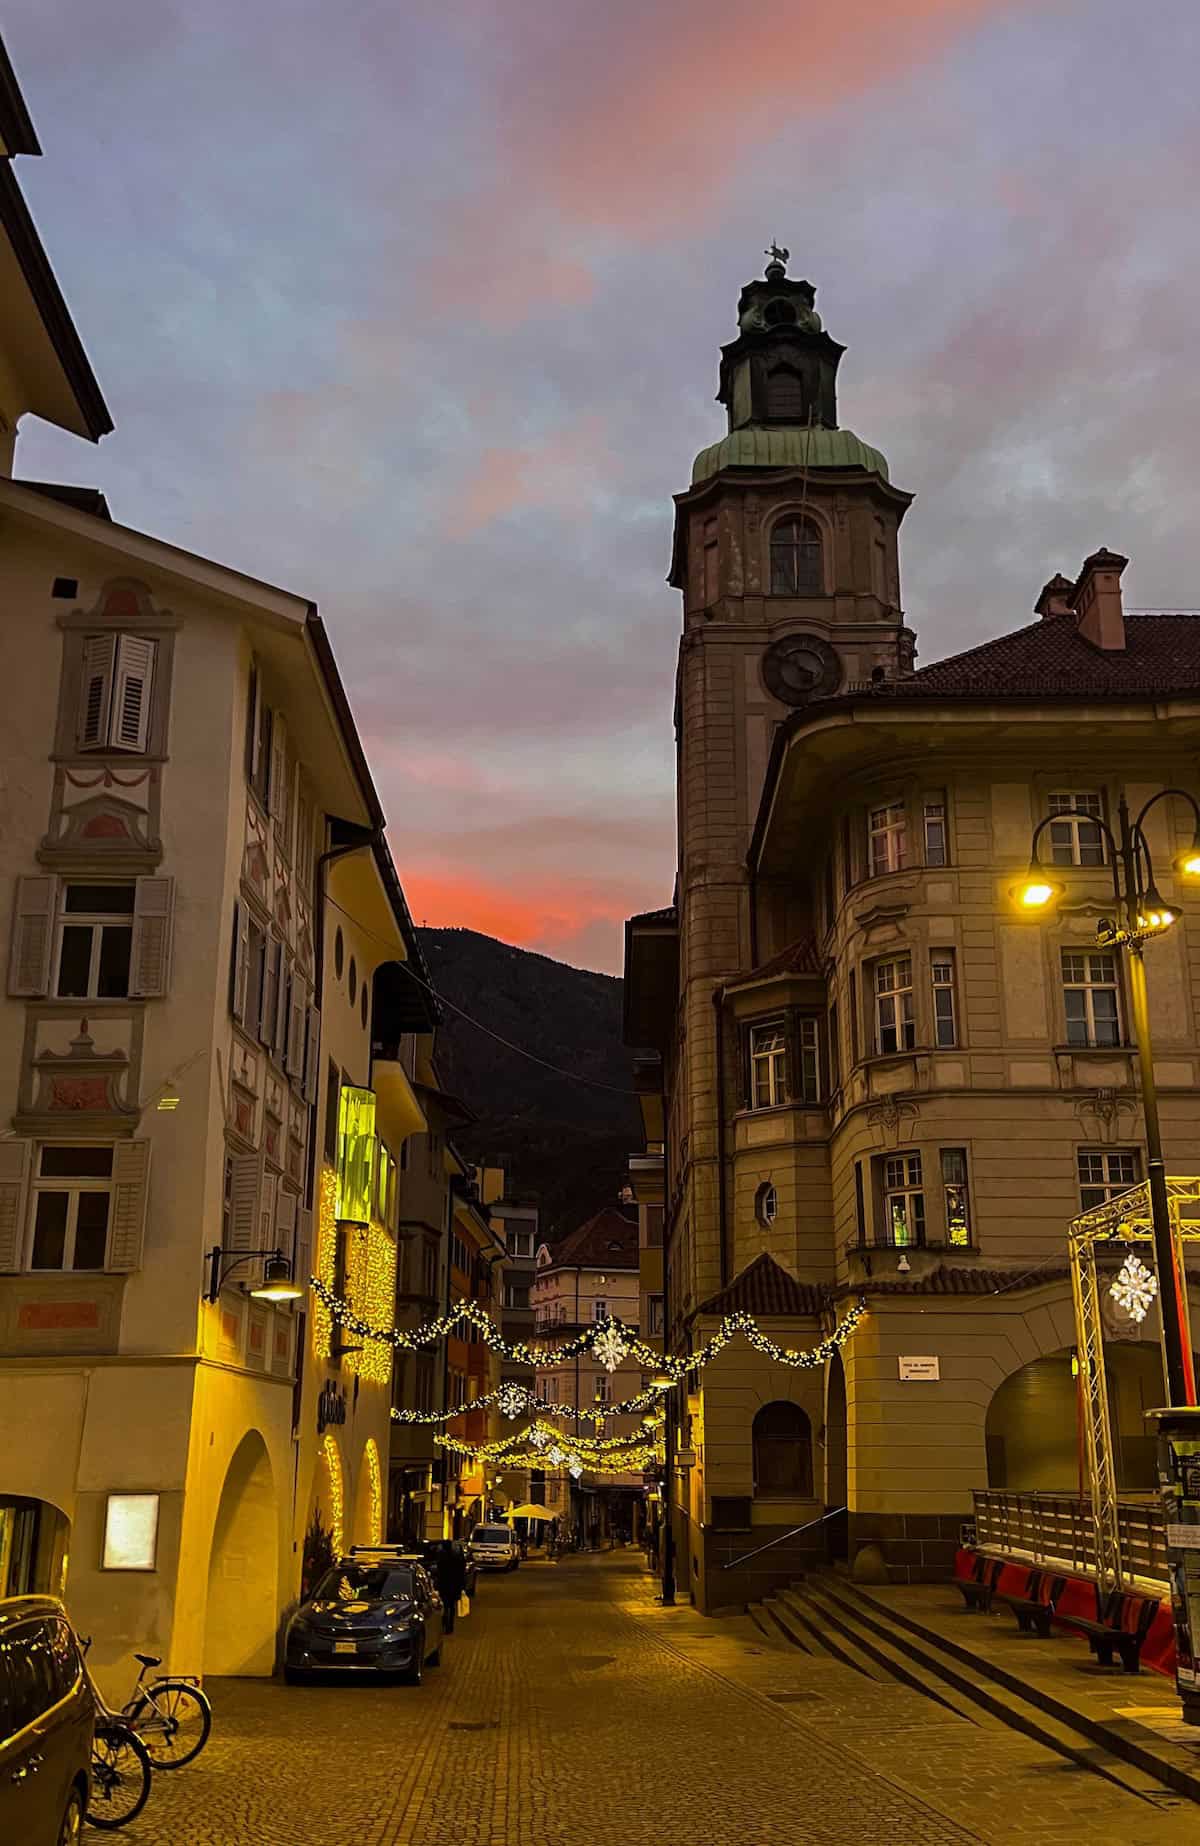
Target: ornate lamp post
[1141,913]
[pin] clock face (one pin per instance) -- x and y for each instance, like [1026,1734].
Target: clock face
[801,667]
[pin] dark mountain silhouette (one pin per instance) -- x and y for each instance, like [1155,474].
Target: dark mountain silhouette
[564,1141]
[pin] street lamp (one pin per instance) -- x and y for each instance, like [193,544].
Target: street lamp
[1141,913]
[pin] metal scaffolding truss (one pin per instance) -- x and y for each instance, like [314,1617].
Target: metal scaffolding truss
[1124,1219]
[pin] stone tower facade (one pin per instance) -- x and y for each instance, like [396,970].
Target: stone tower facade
[785,551]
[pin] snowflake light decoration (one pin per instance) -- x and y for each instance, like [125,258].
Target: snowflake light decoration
[610,1346]
[575,1470]
[513,1399]
[556,1457]
[539,1438]
[1135,1288]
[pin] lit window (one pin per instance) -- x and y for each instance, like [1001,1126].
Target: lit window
[766,1203]
[941,974]
[72,1205]
[603,1389]
[796,558]
[95,936]
[955,1196]
[1104,1174]
[894,1029]
[1090,997]
[1075,838]
[768,1066]
[934,826]
[904,1200]
[887,833]
[600,1308]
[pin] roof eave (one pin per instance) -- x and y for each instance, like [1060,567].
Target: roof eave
[34,264]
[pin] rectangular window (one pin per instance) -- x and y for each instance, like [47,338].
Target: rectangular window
[894,1028]
[114,705]
[1075,839]
[835,1048]
[933,817]
[768,1066]
[520,1243]
[1090,997]
[809,1056]
[860,1203]
[955,1195]
[852,983]
[904,1200]
[604,1389]
[95,937]
[599,1308]
[72,1207]
[1104,1174]
[941,975]
[260,741]
[654,1311]
[887,839]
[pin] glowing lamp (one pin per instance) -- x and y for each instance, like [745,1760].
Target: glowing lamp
[1187,862]
[1153,915]
[662,1381]
[277,1283]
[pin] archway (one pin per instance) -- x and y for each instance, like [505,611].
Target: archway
[243,1568]
[325,1531]
[1034,1434]
[782,1443]
[34,1536]
[368,1498]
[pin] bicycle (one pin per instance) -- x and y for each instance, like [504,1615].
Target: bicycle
[119,1785]
[171,1715]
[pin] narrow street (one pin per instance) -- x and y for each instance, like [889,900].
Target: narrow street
[571,1711]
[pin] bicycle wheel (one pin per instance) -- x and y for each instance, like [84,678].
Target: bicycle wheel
[173,1722]
[120,1781]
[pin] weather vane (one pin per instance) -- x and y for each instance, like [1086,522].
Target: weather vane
[777,253]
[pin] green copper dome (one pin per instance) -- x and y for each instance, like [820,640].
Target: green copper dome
[788,448]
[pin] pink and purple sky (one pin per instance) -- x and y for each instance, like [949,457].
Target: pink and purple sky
[415,309]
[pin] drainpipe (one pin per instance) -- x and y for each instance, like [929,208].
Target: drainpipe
[722,1214]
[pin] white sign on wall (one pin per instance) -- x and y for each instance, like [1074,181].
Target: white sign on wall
[920,1371]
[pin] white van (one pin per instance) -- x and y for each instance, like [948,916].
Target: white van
[493,1548]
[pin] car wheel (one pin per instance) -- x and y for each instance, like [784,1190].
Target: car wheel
[71,1827]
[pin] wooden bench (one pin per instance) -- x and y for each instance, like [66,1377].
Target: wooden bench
[1035,1609]
[978,1588]
[1120,1627]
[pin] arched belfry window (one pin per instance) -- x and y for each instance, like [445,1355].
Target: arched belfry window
[782,1437]
[796,558]
[785,395]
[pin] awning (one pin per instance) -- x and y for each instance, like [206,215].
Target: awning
[529,1511]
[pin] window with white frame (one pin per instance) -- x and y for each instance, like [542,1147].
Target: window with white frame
[603,1388]
[520,1242]
[933,826]
[72,1208]
[768,1065]
[95,939]
[600,1308]
[903,1200]
[894,1027]
[1090,997]
[115,690]
[809,1054]
[654,1314]
[941,976]
[955,1196]
[887,839]
[1075,837]
[1103,1173]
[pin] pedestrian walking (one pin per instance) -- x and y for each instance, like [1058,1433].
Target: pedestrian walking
[451,1574]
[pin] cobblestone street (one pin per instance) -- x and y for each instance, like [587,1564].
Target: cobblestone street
[572,1712]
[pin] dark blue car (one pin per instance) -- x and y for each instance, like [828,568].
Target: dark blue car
[380,1616]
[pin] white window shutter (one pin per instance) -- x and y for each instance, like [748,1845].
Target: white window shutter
[272,969]
[283,987]
[130,1193]
[134,673]
[241,962]
[285,1220]
[312,1055]
[95,691]
[15,1162]
[153,920]
[265,1240]
[245,1192]
[302,1261]
[32,936]
[279,773]
[296,1016]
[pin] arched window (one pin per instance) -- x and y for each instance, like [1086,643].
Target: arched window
[782,1437]
[785,395]
[796,558]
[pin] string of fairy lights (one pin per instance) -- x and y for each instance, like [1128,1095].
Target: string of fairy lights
[539,1444]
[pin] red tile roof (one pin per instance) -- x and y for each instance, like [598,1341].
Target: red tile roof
[764,1287]
[607,1241]
[802,957]
[1050,659]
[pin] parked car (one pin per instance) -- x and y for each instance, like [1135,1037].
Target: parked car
[46,1719]
[493,1548]
[375,1612]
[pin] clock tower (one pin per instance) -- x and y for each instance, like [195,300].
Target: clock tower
[785,551]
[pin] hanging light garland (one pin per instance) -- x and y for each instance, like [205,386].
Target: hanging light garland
[537,1435]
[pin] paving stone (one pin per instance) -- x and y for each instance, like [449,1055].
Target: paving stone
[572,1711]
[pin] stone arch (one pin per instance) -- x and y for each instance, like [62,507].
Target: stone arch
[367,1525]
[1033,1430]
[243,1567]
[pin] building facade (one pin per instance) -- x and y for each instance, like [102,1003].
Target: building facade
[882,1080]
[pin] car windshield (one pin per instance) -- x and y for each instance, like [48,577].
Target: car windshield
[365,1583]
[490,1535]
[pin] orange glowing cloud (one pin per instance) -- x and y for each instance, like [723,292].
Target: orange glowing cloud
[538,916]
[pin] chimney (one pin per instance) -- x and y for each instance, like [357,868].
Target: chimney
[1055,598]
[1096,600]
